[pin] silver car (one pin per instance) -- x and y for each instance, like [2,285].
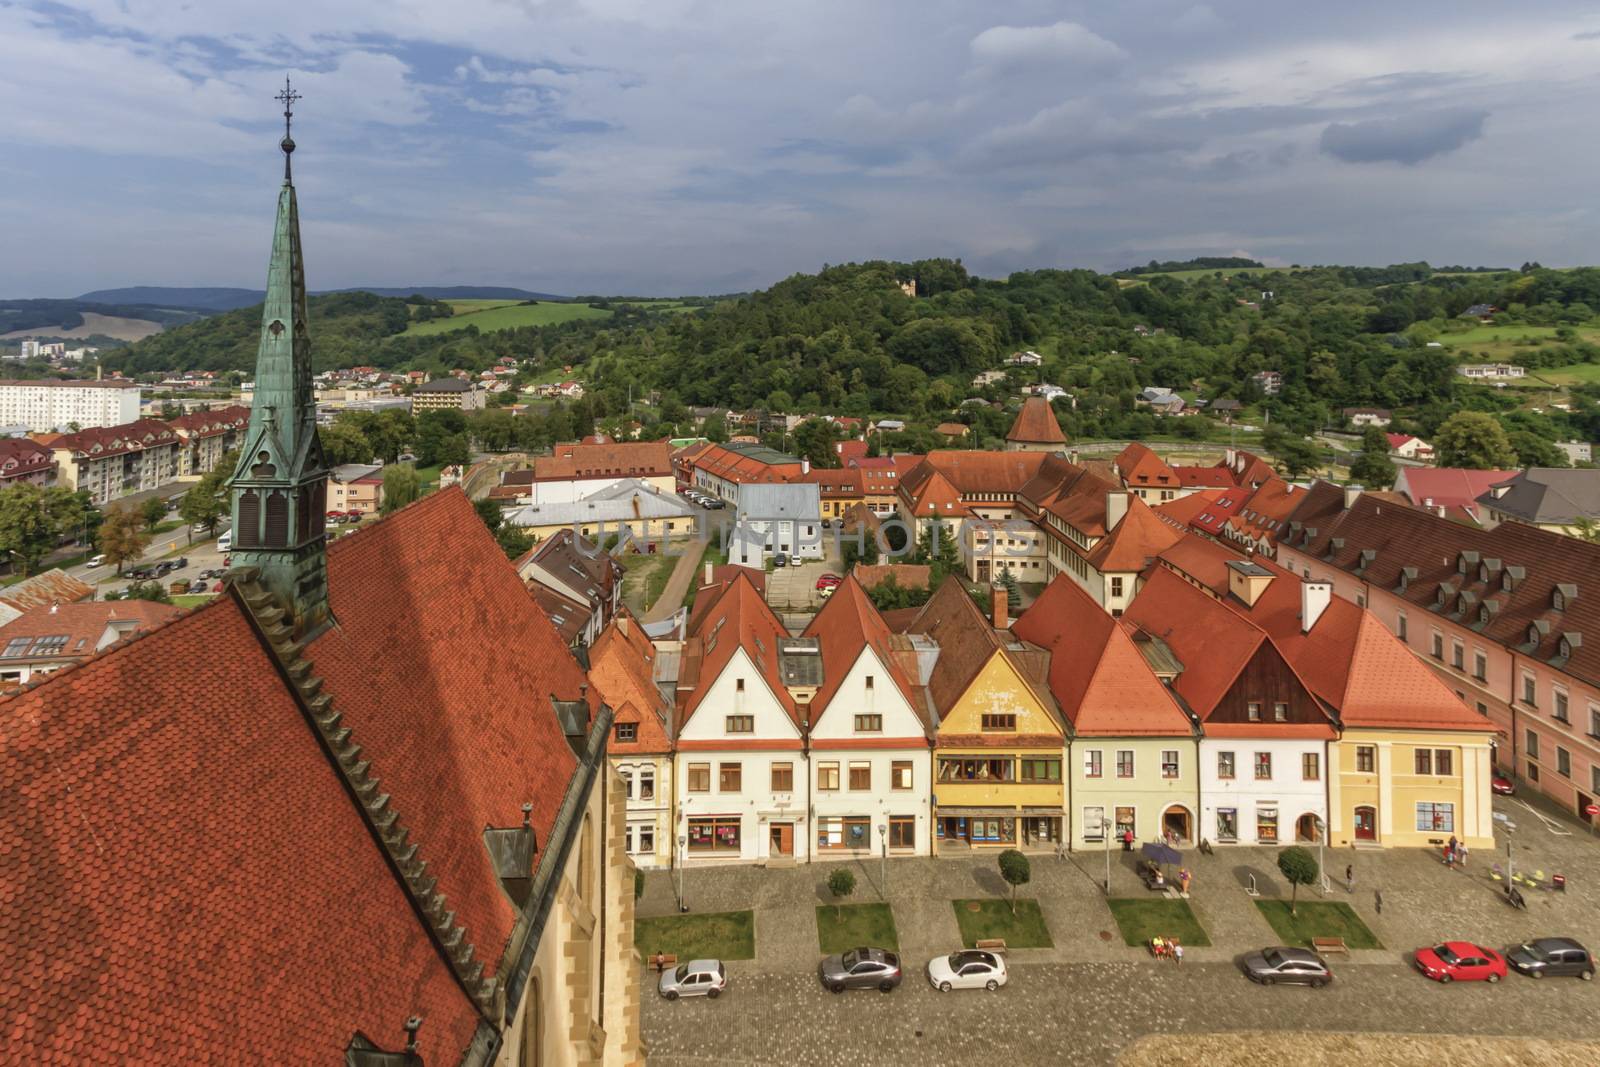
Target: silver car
[967,969]
[860,968]
[1281,964]
[697,978]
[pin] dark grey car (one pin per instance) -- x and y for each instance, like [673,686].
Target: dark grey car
[1281,964]
[1555,956]
[861,968]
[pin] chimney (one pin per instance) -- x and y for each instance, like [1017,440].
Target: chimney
[1350,494]
[1116,507]
[1314,600]
[1001,607]
[805,466]
[709,568]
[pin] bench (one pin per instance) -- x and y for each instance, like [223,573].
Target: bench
[661,962]
[991,944]
[1326,945]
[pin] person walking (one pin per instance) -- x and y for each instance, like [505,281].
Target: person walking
[1350,878]
[1461,855]
[1177,953]
[1127,840]
[1377,901]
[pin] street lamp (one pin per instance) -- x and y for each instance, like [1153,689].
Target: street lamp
[1322,840]
[883,862]
[1105,836]
[683,856]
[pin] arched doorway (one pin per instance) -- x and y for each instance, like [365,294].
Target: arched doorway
[1306,828]
[1366,823]
[531,1051]
[1176,824]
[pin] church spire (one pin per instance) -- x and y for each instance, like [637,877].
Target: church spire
[280,486]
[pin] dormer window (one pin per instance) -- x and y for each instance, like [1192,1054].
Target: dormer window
[1483,572]
[1508,583]
[1533,635]
[1558,600]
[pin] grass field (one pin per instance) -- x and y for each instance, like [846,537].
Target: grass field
[723,935]
[1316,918]
[186,600]
[980,919]
[644,579]
[491,315]
[856,925]
[1226,272]
[1140,920]
[1577,374]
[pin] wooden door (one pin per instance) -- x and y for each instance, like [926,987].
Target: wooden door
[783,839]
[1366,824]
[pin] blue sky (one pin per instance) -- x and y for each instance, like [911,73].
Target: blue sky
[671,146]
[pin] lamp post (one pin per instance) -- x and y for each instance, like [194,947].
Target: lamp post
[1322,840]
[1105,836]
[683,856]
[883,860]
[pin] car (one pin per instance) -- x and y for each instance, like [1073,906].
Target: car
[967,969]
[1552,956]
[180,563]
[697,978]
[827,592]
[860,968]
[354,516]
[334,516]
[780,559]
[827,580]
[198,586]
[1461,961]
[1283,964]
[225,542]
[96,561]
[1502,785]
[713,504]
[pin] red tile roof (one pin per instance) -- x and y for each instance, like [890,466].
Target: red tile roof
[1098,677]
[189,881]
[591,458]
[1036,424]
[20,457]
[445,670]
[1212,477]
[1201,560]
[1141,467]
[1448,487]
[82,625]
[54,586]
[1267,509]
[622,668]
[738,618]
[905,575]
[967,642]
[763,467]
[847,624]
[1136,541]
[212,423]
[104,441]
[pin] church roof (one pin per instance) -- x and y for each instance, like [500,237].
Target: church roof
[1036,424]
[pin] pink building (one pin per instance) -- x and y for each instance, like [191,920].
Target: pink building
[1498,614]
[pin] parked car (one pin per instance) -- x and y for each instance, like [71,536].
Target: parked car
[1502,785]
[1284,964]
[198,586]
[827,592]
[96,561]
[967,969]
[1554,956]
[780,560]
[714,504]
[861,968]
[828,579]
[1461,961]
[354,516]
[697,978]
[179,563]
[335,516]
[225,542]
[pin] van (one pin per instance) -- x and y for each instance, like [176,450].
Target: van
[96,561]
[225,542]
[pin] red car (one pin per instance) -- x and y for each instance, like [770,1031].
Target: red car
[828,581]
[1461,961]
[335,516]
[1502,785]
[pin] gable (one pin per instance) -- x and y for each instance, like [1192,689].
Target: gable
[723,697]
[1267,679]
[997,688]
[852,698]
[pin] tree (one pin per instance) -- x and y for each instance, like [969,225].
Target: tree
[400,486]
[147,591]
[72,514]
[203,505]
[1300,868]
[514,540]
[26,532]
[1016,870]
[343,442]
[1473,439]
[1297,456]
[1013,588]
[841,883]
[121,538]
[714,428]
[489,511]
[1373,468]
[152,511]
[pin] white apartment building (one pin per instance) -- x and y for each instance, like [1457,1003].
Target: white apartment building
[52,405]
[113,462]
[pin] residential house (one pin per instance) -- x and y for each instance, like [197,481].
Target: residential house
[776,519]
[1225,406]
[448,394]
[1577,451]
[1131,750]
[1025,359]
[578,586]
[1255,524]
[207,436]
[1147,475]
[1160,400]
[1483,371]
[356,487]
[111,462]
[622,666]
[868,736]
[1557,499]
[838,489]
[578,469]
[952,432]
[952,487]
[25,462]
[881,477]
[1407,446]
[1450,492]
[1035,428]
[1364,417]
[1270,382]
[54,586]
[45,639]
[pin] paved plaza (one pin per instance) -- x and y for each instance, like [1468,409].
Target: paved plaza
[1090,996]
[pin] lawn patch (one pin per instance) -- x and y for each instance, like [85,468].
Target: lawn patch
[500,316]
[993,918]
[1140,920]
[718,935]
[854,925]
[1316,918]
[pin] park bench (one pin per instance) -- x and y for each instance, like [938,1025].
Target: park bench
[992,944]
[1325,945]
[662,962]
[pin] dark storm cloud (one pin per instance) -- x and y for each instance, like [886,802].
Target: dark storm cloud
[1406,139]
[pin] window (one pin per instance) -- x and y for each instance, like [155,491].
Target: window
[1116,586]
[869,724]
[1124,763]
[1125,821]
[1227,824]
[900,774]
[627,731]
[1532,745]
[850,831]
[974,769]
[1400,626]
[1424,758]
[1253,709]
[1436,818]
[1563,762]
[1594,778]
[783,778]
[1267,824]
[1530,691]
[1041,770]
[740,724]
[647,783]
[1366,759]
[1263,766]
[714,834]
[730,777]
[1224,764]
[645,840]
[699,777]
[1458,655]
[1280,712]
[1094,828]
[1437,645]
[1594,720]
[1558,704]
[1310,766]
[1169,763]
[1443,762]
[1480,665]
[902,831]
[738,685]
[627,782]
[827,776]
[869,683]
[860,776]
[1006,721]
[1091,763]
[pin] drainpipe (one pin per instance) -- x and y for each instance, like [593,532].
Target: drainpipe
[1511,703]
[1066,786]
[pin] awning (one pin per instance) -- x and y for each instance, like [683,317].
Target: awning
[979,813]
[1041,811]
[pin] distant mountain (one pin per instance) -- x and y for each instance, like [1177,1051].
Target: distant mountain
[222,299]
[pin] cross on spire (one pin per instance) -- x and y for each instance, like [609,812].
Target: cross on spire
[288,97]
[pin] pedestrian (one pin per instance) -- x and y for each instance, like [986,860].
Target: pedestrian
[1177,953]
[1461,856]
[1350,878]
[1377,901]
[1127,840]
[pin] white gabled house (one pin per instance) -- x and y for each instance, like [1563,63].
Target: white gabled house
[871,757]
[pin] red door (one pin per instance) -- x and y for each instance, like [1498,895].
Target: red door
[1366,824]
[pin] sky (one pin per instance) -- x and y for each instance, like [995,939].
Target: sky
[668,147]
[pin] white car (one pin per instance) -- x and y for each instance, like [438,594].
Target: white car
[967,969]
[697,978]
[225,542]
[96,561]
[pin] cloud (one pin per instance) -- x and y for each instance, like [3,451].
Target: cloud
[1001,47]
[1408,139]
[1073,131]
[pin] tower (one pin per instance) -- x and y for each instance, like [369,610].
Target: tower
[280,486]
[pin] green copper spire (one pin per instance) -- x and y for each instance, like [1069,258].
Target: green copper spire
[280,486]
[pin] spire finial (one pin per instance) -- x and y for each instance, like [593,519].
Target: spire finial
[288,96]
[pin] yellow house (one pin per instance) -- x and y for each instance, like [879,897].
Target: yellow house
[998,753]
[1398,787]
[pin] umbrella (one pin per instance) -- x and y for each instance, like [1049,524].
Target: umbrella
[1161,853]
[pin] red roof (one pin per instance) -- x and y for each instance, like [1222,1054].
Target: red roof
[622,668]
[1201,560]
[738,618]
[1448,487]
[600,457]
[101,442]
[189,881]
[1098,677]
[1264,513]
[212,423]
[1213,477]
[445,670]
[1139,466]
[54,586]
[1136,541]
[847,624]
[905,575]
[1036,424]
[81,624]
[20,456]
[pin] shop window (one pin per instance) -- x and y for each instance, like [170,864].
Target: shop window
[1225,765]
[1267,825]
[1227,824]
[902,831]
[783,778]
[1125,821]
[730,778]
[699,778]
[715,834]
[844,832]
[1436,818]
[1094,818]
[827,776]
